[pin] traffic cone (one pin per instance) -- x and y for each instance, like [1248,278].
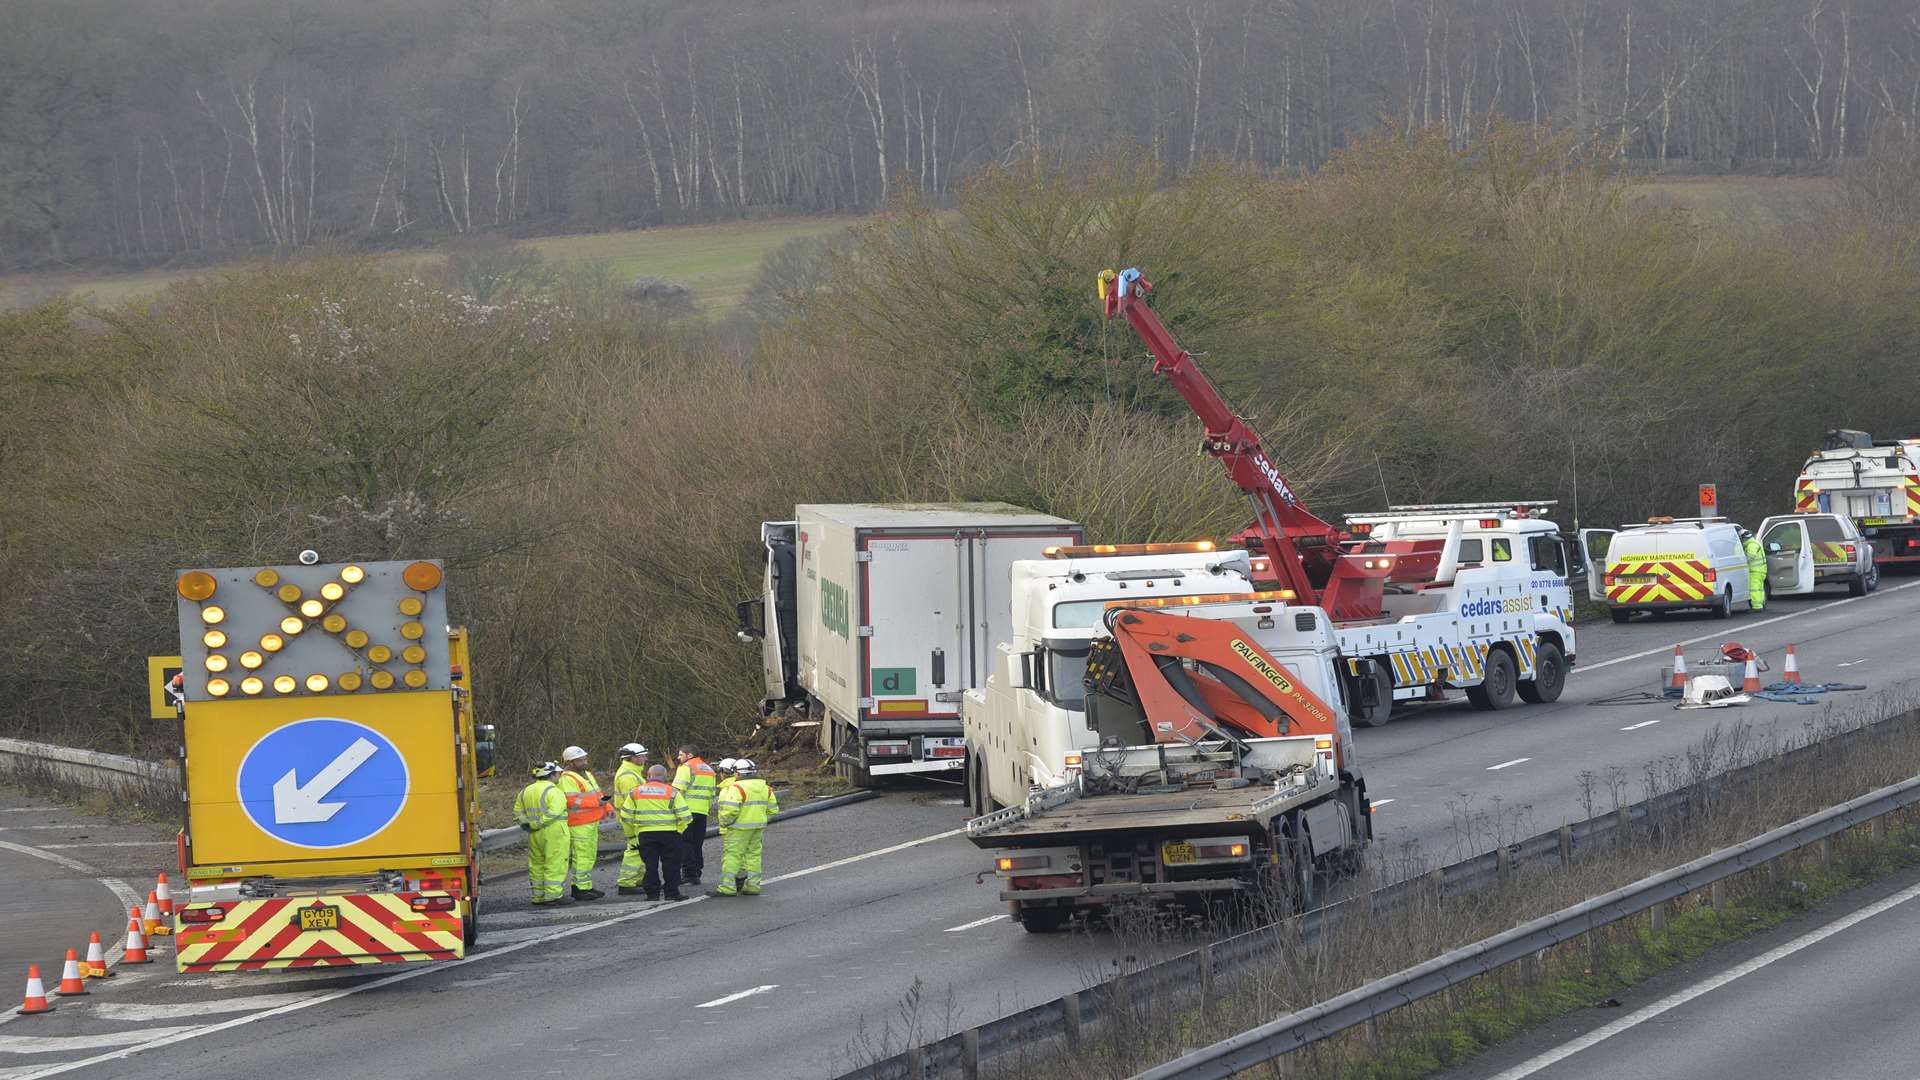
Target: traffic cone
[150,923]
[71,983]
[1679,681]
[36,1001]
[1751,684]
[136,941]
[95,965]
[166,898]
[1792,674]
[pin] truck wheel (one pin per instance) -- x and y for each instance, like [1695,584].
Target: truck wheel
[1383,712]
[1300,875]
[1549,676]
[1857,585]
[849,746]
[1620,615]
[470,933]
[1723,605]
[1495,690]
[976,791]
[1044,920]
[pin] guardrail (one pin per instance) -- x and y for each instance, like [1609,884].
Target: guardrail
[1065,1019]
[1372,1001]
[86,768]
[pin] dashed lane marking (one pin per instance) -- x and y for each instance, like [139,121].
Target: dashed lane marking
[1378,803]
[730,998]
[1667,650]
[325,997]
[1509,764]
[976,923]
[1638,726]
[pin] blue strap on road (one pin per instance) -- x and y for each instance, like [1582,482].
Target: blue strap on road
[1797,693]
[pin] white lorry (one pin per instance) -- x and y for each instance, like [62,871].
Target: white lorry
[876,618]
[1875,482]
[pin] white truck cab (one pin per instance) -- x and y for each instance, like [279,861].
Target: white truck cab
[1027,725]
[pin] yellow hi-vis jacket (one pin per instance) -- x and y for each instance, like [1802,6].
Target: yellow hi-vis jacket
[540,804]
[625,778]
[696,783]
[652,806]
[746,804]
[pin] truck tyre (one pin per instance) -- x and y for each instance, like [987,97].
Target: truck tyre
[1549,676]
[1382,712]
[976,790]
[470,933]
[1044,920]
[1297,842]
[1620,615]
[847,745]
[1496,688]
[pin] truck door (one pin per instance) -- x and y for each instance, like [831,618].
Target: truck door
[1593,545]
[778,605]
[915,612]
[1789,557]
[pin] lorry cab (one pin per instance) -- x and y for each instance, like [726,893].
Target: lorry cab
[1668,564]
[1806,551]
[1027,725]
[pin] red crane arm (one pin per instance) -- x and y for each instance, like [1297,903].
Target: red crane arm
[1281,524]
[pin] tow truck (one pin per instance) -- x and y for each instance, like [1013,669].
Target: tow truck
[1875,482]
[1210,754]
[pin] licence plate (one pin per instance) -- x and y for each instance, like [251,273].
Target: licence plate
[319,918]
[1177,852]
[1636,579]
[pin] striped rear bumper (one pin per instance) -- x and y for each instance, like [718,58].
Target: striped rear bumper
[265,935]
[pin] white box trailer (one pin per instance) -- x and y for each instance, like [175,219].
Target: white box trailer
[879,618]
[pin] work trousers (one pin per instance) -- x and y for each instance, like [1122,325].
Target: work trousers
[630,859]
[740,861]
[585,844]
[660,852]
[693,860]
[1757,590]
[547,862]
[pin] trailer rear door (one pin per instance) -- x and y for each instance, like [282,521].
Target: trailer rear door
[913,611]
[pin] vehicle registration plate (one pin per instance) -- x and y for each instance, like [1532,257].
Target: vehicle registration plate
[1637,579]
[319,918]
[1177,852]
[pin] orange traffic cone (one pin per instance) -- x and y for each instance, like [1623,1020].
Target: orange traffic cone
[95,965]
[1679,669]
[165,896]
[1751,684]
[136,941]
[71,983]
[36,1001]
[150,923]
[1792,674]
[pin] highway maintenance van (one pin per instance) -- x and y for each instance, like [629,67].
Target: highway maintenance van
[1668,564]
[328,764]
[876,619]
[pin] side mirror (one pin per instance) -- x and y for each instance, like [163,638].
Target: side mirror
[1020,670]
[750,614]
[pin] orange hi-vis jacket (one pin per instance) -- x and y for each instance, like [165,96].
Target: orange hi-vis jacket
[584,804]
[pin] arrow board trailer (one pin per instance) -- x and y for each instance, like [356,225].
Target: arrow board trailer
[328,769]
[876,619]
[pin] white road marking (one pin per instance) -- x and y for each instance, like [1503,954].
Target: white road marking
[976,922]
[1667,649]
[67,1044]
[1674,1001]
[1378,803]
[1850,663]
[107,843]
[113,885]
[181,1010]
[326,997]
[1509,764]
[261,980]
[736,997]
[1638,726]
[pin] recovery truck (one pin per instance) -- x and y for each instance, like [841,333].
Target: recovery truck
[875,619]
[1224,768]
[1440,597]
[328,761]
[1876,482]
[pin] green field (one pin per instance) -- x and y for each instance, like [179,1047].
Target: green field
[717,262]
[1757,203]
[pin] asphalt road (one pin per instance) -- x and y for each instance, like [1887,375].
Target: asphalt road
[875,930]
[1827,995]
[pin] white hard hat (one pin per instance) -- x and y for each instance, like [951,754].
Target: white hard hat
[727,764]
[545,768]
[745,765]
[632,749]
[572,753]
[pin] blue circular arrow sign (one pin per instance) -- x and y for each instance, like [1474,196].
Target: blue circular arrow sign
[323,783]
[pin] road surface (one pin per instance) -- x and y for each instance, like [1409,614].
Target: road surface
[877,904]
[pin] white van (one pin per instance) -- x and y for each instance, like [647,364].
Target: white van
[1666,565]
